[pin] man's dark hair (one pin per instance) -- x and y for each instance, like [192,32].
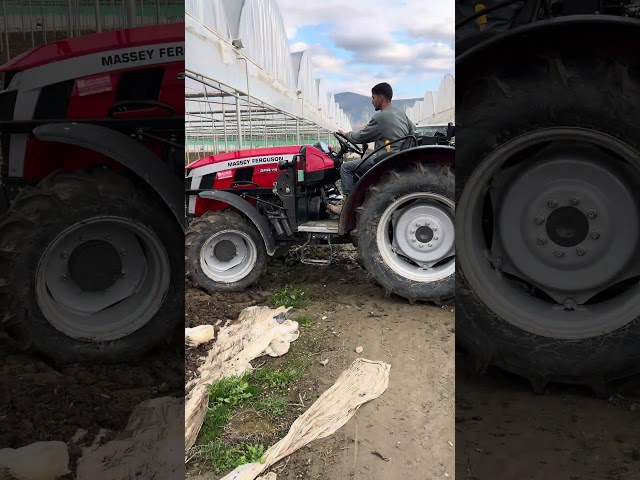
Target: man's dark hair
[383,89]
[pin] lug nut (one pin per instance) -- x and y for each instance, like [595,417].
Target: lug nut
[542,240]
[574,200]
[434,229]
[413,240]
[412,231]
[539,219]
[108,236]
[63,276]
[552,203]
[418,225]
[496,262]
[421,245]
[595,235]
[559,253]
[592,214]
[124,252]
[435,238]
[581,251]
[430,245]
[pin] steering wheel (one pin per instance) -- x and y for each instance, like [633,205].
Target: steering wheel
[347,145]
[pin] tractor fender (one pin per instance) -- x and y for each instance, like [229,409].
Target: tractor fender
[124,150]
[618,35]
[235,201]
[429,153]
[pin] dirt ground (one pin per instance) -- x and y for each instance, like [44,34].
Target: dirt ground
[410,428]
[505,431]
[39,402]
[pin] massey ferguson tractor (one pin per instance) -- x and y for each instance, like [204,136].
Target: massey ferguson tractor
[91,202]
[250,205]
[548,189]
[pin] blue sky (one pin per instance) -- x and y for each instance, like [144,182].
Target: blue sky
[358,43]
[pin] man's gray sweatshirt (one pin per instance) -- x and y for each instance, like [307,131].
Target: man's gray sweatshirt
[387,125]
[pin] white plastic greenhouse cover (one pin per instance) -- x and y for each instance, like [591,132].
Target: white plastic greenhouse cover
[436,107]
[322,95]
[212,15]
[446,98]
[305,81]
[264,68]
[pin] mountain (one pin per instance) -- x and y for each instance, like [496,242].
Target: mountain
[359,109]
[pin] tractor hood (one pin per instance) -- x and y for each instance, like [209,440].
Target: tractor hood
[256,156]
[95,43]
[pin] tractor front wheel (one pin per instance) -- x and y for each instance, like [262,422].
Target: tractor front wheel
[224,252]
[88,264]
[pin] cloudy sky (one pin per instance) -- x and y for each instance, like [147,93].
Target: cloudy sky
[357,43]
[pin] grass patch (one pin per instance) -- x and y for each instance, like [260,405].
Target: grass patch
[304,322]
[290,298]
[260,390]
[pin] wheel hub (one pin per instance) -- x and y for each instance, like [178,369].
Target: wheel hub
[564,207]
[106,266]
[415,235]
[228,256]
[512,247]
[567,227]
[102,279]
[424,232]
[225,251]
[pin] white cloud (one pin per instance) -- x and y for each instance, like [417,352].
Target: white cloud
[406,39]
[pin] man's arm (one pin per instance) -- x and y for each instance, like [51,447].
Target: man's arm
[369,133]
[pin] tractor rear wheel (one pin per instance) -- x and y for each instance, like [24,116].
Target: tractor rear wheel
[88,263]
[224,252]
[548,220]
[405,232]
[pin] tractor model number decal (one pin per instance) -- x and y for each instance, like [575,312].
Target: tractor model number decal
[268,170]
[142,55]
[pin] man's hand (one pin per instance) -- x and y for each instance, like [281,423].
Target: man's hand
[342,132]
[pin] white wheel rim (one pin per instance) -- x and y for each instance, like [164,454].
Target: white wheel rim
[218,266]
[401,251]
[130,300]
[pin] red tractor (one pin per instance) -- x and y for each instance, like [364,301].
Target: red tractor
[548,188]
[250,205]
[91,206]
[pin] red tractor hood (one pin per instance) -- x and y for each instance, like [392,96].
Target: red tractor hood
[95,43]
[257,152]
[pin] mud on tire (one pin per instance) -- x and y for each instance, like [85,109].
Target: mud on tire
[591,91]
[201,232]
[419,177]
[38,218]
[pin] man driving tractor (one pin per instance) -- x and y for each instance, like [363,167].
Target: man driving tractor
[385,127]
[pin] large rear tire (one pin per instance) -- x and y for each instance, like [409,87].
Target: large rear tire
[91,268]
[548,284]
[405,232]
[224,252]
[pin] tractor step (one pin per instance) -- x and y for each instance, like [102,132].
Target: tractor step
[320,226]
[314,261]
